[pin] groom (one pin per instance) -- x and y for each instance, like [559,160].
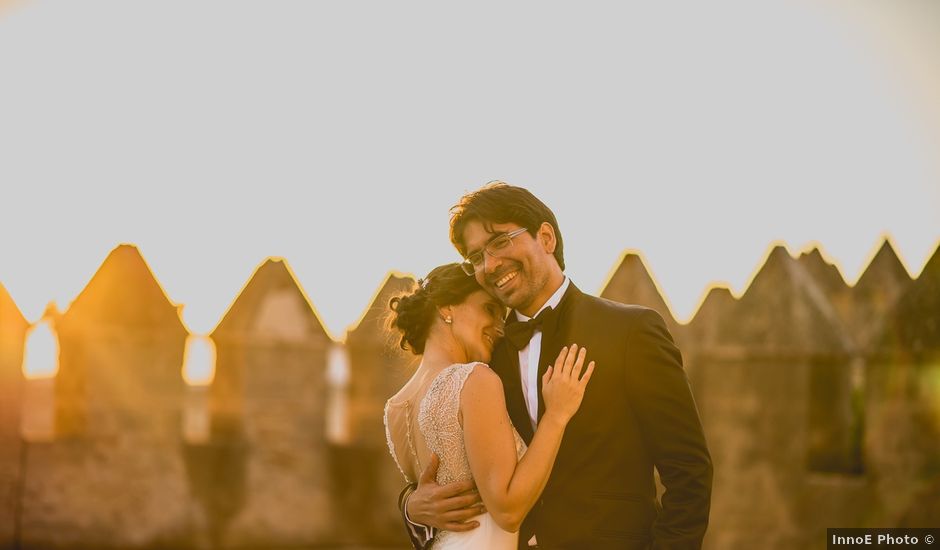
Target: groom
[638,411]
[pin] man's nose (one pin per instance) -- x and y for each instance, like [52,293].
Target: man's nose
[490,263]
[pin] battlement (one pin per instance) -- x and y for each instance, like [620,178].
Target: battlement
[819,400]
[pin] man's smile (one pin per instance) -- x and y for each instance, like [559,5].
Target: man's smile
[505,279]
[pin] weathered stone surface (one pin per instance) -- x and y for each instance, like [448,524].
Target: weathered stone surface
[700,336]
[378,369]
[772,381]
[875,295]
[632,283]
[903,400]
[807,429]
[121,353]
[268,409]
[830,281]
[755,417]
[12,337]
[121,491]
[703,328]
[38,412]
[914,324]
[821,404]
[114,476]
[784,313]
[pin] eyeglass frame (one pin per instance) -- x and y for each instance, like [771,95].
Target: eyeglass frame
[467,263]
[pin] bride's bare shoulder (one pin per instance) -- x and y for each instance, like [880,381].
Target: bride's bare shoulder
[482,385]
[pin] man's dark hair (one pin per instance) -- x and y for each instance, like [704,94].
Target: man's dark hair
[499,202]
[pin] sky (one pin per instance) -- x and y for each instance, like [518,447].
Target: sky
[338,134]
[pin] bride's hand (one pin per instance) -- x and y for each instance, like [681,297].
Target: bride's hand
[562,384]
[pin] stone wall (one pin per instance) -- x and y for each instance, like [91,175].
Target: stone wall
[12,337]
[378,368]
[820,401]
[268,452]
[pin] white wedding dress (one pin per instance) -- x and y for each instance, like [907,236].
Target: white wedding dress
[436,417]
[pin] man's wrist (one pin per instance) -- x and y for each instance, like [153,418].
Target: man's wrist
[420,534]
[408,517]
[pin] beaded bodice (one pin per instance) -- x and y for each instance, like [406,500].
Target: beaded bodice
[439,428]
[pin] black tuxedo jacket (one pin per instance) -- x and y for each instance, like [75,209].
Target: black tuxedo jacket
[638,412]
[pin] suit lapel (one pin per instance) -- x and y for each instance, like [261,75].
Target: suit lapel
[506,361]
[554,332]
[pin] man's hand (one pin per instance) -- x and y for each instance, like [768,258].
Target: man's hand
[448,507]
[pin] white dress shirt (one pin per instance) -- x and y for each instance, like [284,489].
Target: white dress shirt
[529,357]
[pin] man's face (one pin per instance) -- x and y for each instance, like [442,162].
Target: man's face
[519,276]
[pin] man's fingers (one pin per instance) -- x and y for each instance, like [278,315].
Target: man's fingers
[462,515]
[460,527]
[457,488]
[429,475]
[547,376]
[461,502]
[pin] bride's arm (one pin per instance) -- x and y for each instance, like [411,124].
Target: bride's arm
[510,489]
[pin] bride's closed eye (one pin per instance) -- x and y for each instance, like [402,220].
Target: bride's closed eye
[491,310]
[497,312]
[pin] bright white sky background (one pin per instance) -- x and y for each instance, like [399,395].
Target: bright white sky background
[337,135]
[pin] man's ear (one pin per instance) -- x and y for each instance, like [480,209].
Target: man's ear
[546,237]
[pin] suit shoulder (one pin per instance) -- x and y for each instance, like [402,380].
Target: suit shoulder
[624,313]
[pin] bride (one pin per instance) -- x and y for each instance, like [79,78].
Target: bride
[453,407]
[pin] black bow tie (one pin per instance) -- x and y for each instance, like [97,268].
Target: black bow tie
[518,334]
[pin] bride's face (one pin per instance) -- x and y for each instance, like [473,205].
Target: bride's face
[478,324]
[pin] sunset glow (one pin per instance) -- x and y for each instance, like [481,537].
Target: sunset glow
[199,360]
[41,358]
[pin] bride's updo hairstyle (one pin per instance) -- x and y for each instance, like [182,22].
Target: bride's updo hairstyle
[414,313]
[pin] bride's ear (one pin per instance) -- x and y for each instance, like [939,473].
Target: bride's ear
[446,314]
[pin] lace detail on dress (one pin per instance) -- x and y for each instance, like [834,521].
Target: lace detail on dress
[438,420]
[440,426]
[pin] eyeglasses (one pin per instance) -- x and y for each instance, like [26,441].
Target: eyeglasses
[494,248]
